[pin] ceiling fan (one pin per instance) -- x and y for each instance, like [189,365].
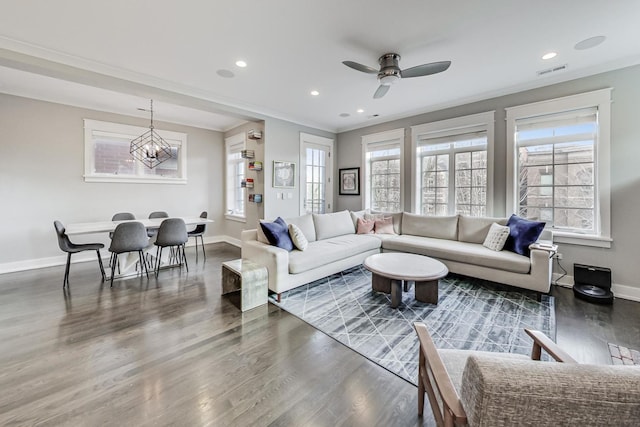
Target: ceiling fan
[390,71]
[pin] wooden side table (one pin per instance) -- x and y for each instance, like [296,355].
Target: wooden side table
[247,277]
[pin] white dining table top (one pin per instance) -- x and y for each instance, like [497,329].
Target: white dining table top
[107,226]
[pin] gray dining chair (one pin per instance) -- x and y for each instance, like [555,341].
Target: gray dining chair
[199,232]
[173,234]
[153,215]
[120,216]
[129,237]
[72,248]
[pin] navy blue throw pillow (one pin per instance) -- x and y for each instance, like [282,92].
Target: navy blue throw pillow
[277,233]
[522,233]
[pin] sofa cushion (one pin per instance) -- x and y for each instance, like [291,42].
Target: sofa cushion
[277,233]
[440,227]
[384,226]
[356,215]
[261,237]
[523,232]
[475,229]
[496,237]
[333,224]
[397,219]
[297,237]
[330,250]
[453,250]
[305,224]
[365,226]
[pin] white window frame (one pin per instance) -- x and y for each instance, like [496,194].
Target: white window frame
[484,122]
[175,139]
[601,99]
[395,136]
[234,141]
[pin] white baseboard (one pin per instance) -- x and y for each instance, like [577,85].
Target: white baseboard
[631,293]
[89,256]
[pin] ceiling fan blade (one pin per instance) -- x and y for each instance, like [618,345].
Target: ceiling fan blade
[425,69]
[360,67]
[382,90]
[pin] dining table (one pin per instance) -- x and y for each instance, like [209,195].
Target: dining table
[109,226]
[128,264]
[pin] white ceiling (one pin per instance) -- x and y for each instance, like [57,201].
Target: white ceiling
[115,55]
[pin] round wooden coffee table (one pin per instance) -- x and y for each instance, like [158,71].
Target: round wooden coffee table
[391,270]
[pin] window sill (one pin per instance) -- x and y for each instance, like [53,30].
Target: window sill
[134,180]
[236,218]
[582,239]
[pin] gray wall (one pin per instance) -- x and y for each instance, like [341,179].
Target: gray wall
[625,173]
[282,142]
[41,178]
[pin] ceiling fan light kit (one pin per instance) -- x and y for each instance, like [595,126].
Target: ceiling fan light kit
[390,71]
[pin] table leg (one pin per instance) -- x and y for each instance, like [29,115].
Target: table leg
[427,291]
[396,293]
[380,283]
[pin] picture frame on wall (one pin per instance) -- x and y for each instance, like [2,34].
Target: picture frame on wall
[349,181]
[284,174]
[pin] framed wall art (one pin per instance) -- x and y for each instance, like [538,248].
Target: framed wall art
[284,174]
[350,182]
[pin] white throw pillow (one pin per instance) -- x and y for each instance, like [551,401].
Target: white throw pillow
[496,237]
[297,237]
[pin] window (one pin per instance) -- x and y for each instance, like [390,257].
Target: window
[236,167]
[559,151]
[383,160]
[107,156]
[452,173]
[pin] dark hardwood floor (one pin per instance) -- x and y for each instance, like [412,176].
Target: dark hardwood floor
[172,351]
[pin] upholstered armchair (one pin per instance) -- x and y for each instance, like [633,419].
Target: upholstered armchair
[501,389]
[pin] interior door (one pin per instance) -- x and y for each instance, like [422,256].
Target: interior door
[315,174]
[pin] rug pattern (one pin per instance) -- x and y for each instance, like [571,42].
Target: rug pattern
[621,355]
[471,314]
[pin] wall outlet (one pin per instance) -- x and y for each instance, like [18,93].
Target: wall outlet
[558,255]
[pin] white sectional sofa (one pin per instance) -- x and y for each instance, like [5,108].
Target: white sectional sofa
[455,240]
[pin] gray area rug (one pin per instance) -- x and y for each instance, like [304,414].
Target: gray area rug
[471,314]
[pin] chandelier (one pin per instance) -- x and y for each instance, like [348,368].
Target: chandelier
[149,148]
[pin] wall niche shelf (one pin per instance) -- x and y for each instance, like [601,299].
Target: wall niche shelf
[255,134]
[255,166]
[255,198]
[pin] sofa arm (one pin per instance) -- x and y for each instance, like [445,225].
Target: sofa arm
[517,392]
[541,268]
[274,258]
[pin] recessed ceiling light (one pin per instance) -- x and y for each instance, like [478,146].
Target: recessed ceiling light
[315,93]
[241,63]
[549,55]
[360,110]
[589,43]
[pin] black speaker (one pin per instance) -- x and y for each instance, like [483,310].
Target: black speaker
[592,283]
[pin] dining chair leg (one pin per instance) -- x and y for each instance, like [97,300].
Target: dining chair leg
[196,248]
[204,254]
[101,266]
[184,256]
[65,281]
[113,267]
[143,264]
[158,256]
